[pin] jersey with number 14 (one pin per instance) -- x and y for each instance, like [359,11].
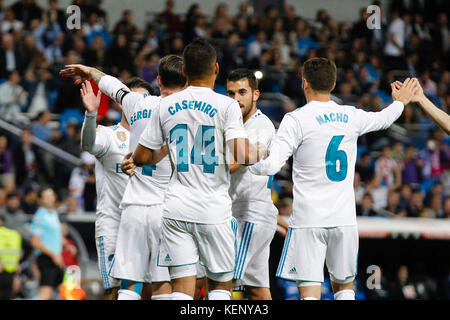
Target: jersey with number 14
[196,123]
[322,137]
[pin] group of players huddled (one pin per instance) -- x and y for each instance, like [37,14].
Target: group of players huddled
[184,181]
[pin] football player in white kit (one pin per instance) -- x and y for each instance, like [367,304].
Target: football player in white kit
[322,137]
[108,145]
[251,195]
[197,124]
[137,243]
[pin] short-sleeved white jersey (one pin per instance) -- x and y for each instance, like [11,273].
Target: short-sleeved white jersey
[250,193]
[322,137]
[112,145]
[195,123]
[148,184]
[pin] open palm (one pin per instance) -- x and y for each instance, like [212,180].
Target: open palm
[91,101]
[80,71]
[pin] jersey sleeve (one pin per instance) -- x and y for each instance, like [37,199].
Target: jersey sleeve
[285,142]
[374,121]
[120,93]
[94,140]
[152,136]
[233,124]
[36,224]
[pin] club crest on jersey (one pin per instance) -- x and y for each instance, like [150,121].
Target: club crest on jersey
[121,136]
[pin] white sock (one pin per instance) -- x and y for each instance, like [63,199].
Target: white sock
[219,295]
[167,296]
[125,294]
[344,295]
[309,298]
[181,296]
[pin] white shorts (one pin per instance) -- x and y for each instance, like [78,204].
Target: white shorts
[252,254]
[306,250]
[106,245]
[137,245]
[185,243]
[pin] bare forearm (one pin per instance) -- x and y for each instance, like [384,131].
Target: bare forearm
[96,75]
[437,115]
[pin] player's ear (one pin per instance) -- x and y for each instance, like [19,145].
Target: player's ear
[158,78]
[216,68]
[256,95]
[332,88]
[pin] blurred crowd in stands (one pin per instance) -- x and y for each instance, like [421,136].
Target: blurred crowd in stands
[401,172]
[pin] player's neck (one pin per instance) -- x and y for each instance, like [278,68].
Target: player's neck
[316,96]
[168,91]
[250,114]
[206,82]
[124,123]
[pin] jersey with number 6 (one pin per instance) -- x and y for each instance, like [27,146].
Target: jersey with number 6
[196,123]
[322,137]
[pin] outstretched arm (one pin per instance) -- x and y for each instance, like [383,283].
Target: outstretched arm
[90,141]
[441,118]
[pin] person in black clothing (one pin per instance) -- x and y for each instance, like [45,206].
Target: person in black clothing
[364,168]
[365,209]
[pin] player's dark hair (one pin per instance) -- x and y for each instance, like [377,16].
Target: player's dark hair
[199,58]
[320,73]
[136,82]
[243,73]
[170,69]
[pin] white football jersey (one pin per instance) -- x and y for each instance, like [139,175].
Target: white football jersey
[112,145]
[322,137]
[148,184]
[195,123]
[250,193]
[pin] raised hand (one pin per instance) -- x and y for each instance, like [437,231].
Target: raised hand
[406,92]
[80,71]
[90,100]
[418,96]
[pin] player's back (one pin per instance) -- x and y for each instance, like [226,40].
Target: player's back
[324,165]
[194,123]
[148,184]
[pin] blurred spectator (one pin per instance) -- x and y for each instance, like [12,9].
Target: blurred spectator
[69,249]
[46,239]
[79,177]
[433,160]
[411,166]
[359,189]
[53,13]
[447,207]
[9,23]
[29,202]
[402,288]
[172,21]
[42,130]
[256,47]
[393,205]
[126,26]
[12,99]
[71,206]
[71,139]
[6,160]
[416,204]
[10,254]
[385,165]
[366,209]
[25,162]
[26,10]
[119,56]
[396,39]
[364,168]
[13,215]
[39,84]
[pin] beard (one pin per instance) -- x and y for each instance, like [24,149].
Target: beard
[247,110]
